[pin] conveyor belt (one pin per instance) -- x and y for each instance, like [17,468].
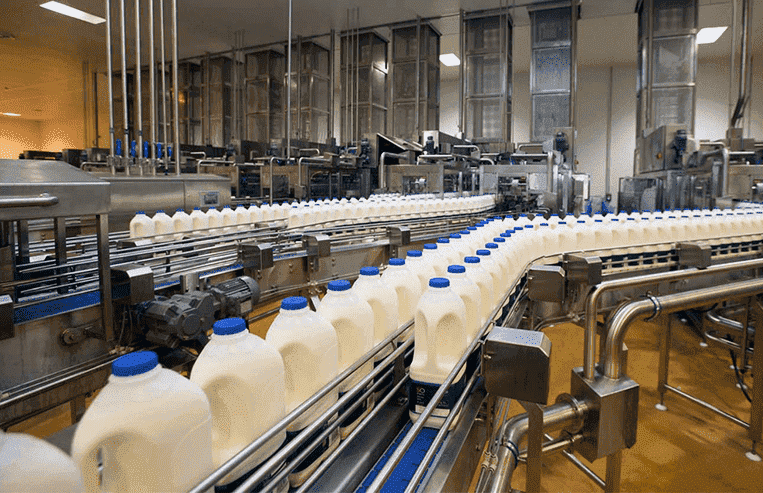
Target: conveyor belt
[404,472]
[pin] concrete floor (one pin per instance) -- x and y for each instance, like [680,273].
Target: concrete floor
[685,448]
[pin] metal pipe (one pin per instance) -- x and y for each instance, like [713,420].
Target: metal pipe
[124,83]
[709,407]
[623,317]
[550,172]
[726,323]
[165,120]
[175,86]
[608,161]
[152,82]
[592,302]
[110,84]
[288,104]
[250,449]
[732,57]
[514,430]
[575,5]
[418,76]
[270,162]
[743,62]
[138,90]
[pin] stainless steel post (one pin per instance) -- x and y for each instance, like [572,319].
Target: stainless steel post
[662,371]
[288,102]
[614,468]
[573,79]
[152,82]
[755,432]
[176,147]
[126,142]
[110,85]
[418,76]
[104,274]
[138,91]
[165,117]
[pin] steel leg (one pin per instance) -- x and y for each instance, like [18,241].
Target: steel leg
[534,447]
[755,432]
[664,361]
[59,231]
[614,468]
[22,230]
[104,272]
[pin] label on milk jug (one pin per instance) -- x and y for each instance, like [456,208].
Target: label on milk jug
[421,394]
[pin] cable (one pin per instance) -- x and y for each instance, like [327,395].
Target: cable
[740,379]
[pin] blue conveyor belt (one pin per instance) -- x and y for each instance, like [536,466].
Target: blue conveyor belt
[402,474]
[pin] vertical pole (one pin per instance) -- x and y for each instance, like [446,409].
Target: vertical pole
[126,143]
[732,58]
[663,370]
[418,75]
[332,82]
[573,80]
[288,93]
[608,162]
[152,82]
[755,432]
[165,118]
[109,81]
[357,79]
[85,100]
[104,273]
[176,147]
[138,89]
[614,469]
[461,70]
[59,232]
[534,446]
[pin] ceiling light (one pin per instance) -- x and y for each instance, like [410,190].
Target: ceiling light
[10,114]
[449,60]
[72,12]
[708,35]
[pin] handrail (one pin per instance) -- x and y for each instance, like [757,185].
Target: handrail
[43,200]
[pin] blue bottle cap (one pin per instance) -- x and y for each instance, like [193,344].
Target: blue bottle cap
[528,226]
[414,253]
[580,221]
[160,211]
[471,228]
[544,224]
[464,232]
[443,240]
[229,326]
[339,285]
[294,303]
[430,246]
[141,212]
[455,236]
[492,246]
[179,209]
[456,269]
[472,260]
[597,220]
[396,261]
[133,364]
[439,282]
[483,253]
[369,271]
[197,208]
[505,235]
[499,240]
[226,207]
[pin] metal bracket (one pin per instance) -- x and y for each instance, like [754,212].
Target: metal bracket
[132,284]
[546,283]
[582,270]
[694,254]
[257,256]
[399,236]
[318,245]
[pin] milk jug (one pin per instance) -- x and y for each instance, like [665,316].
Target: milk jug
[383,301]
[199,220]
[310,351]
[163,228]
[181,224]
[445,249]
[493,268]
[438,262]
[141,226]
[149,427]
[353,321]
[242,218]
[243,378]
[215,220]
[501,262]
[407,286]
[29,464]
[484,281]
[229,219]
[440,340]
[423,270]
[470,294]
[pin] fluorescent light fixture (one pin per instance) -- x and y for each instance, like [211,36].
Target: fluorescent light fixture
[708,35]
[10,114]
[449,59]
[72,12]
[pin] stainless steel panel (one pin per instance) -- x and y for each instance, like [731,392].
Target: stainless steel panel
[28,179]
[517,364]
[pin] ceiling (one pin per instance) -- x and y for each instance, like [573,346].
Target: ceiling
[48,49]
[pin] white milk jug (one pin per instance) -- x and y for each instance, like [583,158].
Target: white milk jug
[32,465]
[199,220]
[407,286]
[141,226]
[163,228]
[150,428]
[383,301]
[469,293]
[181,224]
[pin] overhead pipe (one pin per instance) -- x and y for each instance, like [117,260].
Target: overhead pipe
[623,317]
[165,118]
[110,84]
[152,82]
[123,44]
[560,415]
[744,60]
[138,92]
[288,103]
[176,147]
